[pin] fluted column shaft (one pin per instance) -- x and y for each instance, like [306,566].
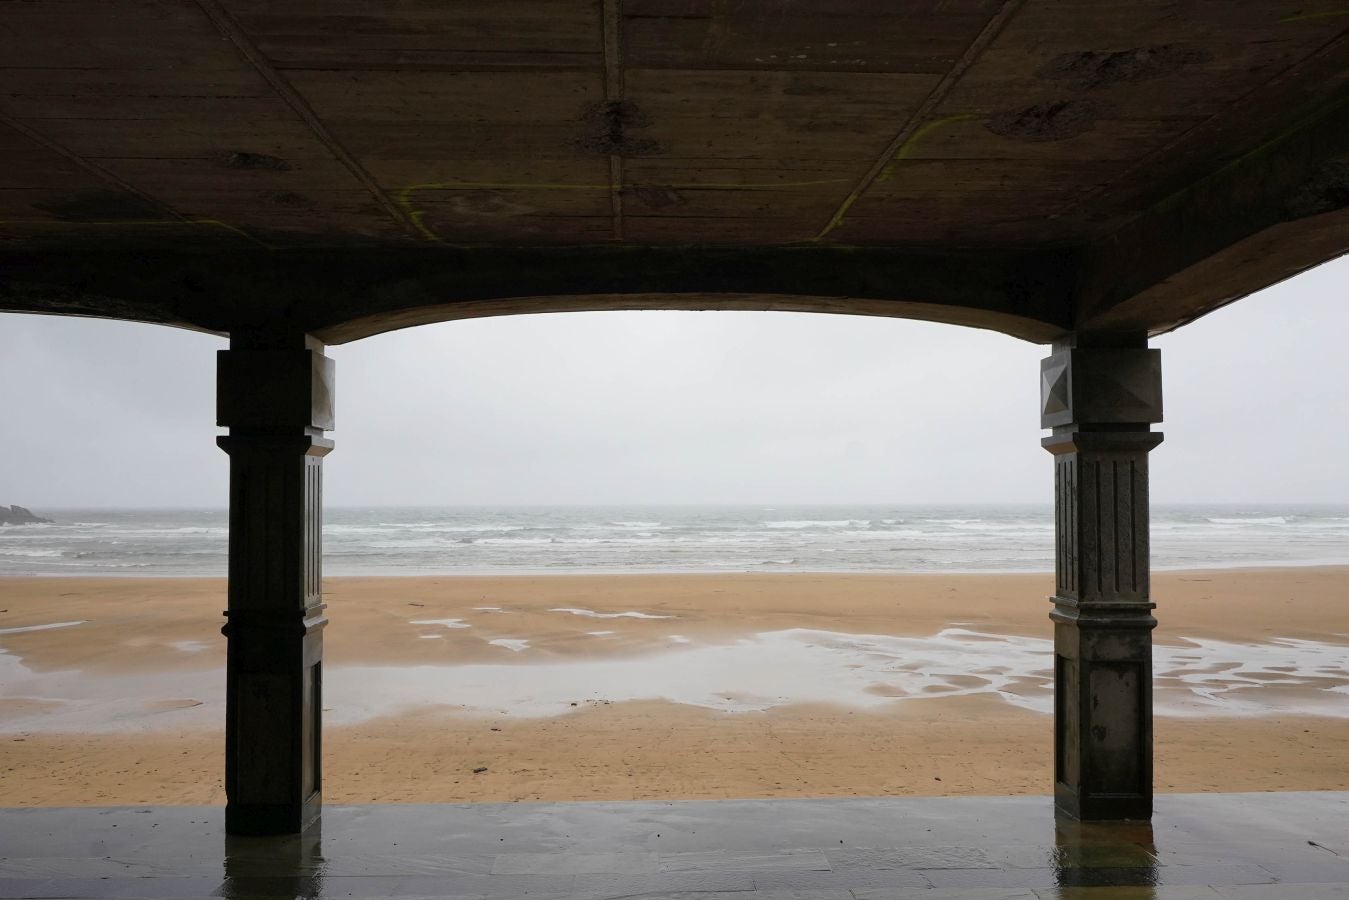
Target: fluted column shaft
[274,393]
[1100,401]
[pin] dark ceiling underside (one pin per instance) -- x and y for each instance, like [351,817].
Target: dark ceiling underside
[1134,163]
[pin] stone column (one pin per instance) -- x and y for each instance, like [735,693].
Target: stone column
[1099,400]
[274,394]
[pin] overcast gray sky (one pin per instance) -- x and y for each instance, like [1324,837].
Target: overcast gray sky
[678,407]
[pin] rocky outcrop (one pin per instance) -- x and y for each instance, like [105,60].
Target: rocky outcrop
[17,515]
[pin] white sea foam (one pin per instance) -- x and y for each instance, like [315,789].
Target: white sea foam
[515,644]
[406,541]
[448,623]
[882,534]
[816,523]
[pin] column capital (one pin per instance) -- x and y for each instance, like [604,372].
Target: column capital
[1086,387]
[1075,441]
[271,391]
[300,444]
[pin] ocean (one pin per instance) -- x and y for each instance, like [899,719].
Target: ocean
[579,539]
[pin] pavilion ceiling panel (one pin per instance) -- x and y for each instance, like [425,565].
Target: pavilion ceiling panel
[812,35]
[199,137]
[933,224]
[475,155]
[239,171]
[502,216]
[33,167]
[407,35]
[101,35]
[182,177]
[151,95]
[732,115]
[996,178]
[459,224]
[1072,96]
[712,230]
[779,147]
[511,119]
[45,195]
[290,219]
[924,199]
[468,116]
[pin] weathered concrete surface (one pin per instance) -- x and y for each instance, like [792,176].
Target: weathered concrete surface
[1235,846]
[1100,402]
[344,295]
[276,397]
[1171,157]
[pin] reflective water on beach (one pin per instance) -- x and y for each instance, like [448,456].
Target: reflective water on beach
[753,673]
[1260,846]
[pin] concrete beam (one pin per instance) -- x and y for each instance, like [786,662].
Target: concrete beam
[343,295]
[1269,213]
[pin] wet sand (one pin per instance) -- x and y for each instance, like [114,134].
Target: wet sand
[888,725]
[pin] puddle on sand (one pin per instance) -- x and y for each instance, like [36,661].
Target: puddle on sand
[21,629]
[189,646]
[763,671]
[599,615]
[868,671]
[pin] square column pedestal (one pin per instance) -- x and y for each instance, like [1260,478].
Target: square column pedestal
[275,396]
[1099,401]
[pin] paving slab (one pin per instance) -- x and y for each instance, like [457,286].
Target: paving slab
[1198,847]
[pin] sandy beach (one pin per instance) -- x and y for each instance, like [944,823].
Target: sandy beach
[667,686]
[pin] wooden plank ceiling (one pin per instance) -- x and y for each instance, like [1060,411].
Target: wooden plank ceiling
[366,122]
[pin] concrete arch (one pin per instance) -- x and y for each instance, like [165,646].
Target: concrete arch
[1006,323]
[344,296]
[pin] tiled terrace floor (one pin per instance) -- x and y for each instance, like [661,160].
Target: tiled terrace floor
[1237,846]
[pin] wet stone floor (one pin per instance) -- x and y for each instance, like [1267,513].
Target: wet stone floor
[1210,846]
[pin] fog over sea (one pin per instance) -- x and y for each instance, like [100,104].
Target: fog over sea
[495,540]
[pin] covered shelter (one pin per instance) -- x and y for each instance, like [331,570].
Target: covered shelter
[301,173]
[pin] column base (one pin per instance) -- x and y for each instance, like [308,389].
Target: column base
[1069,804]
[1102,710]
[273,710]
